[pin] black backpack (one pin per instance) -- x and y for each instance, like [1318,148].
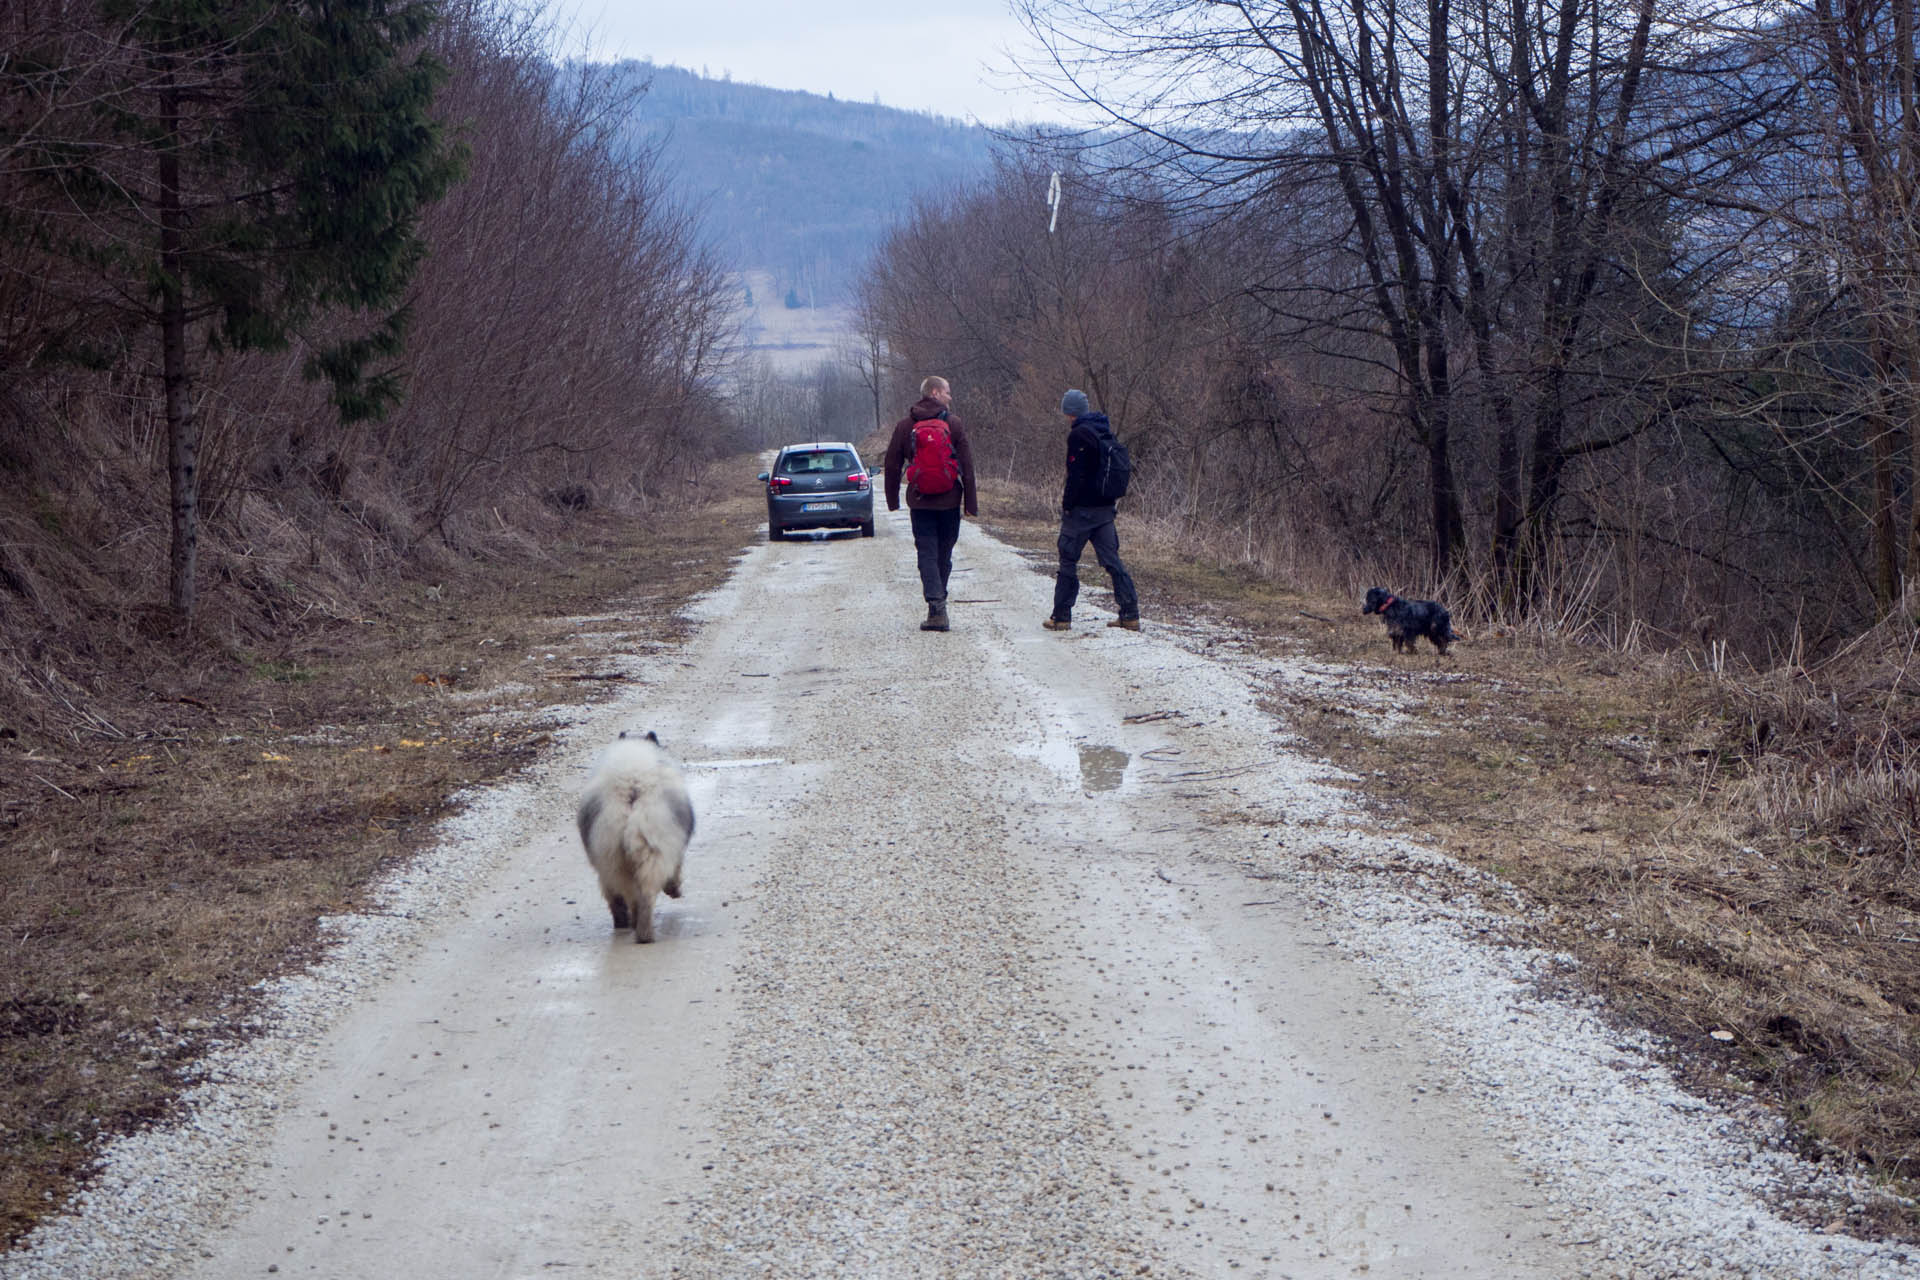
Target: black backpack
[1114,468]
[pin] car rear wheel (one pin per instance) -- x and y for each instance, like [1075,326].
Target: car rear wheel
[866,530]
[775,533]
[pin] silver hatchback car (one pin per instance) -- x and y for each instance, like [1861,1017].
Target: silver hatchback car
[821,485]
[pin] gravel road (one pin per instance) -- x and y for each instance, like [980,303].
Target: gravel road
[1004,953]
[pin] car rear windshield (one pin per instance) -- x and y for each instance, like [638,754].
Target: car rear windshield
[819,462]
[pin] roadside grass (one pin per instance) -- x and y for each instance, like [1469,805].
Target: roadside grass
[1636,800]
[180,839]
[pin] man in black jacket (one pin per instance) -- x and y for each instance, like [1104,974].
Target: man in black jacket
[1086,516]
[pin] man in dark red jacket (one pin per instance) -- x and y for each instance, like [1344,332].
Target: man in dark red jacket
[930,445]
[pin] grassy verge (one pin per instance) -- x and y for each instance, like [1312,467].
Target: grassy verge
[1780,962]
[177,843]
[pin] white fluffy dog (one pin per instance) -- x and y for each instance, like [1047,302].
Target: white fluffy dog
[635,820]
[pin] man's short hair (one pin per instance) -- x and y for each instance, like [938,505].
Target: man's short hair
[934,383]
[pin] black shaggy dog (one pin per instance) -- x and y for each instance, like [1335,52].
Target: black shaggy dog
[1408,620]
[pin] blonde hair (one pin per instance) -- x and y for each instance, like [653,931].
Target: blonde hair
[934,383]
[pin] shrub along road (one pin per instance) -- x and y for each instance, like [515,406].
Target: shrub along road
[1003,952]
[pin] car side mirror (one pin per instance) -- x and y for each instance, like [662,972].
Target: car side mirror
[763,477]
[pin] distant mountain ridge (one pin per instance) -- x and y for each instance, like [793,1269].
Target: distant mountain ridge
[793,183]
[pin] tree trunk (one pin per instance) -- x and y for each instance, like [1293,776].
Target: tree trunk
[1906,177]
[1884,518]
[183,441]
[1912,580]
[1544,475]
[1508,511]
[1886,524]
[1449,526]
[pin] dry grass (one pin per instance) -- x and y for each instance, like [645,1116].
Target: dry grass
[1722,855]
[170,838]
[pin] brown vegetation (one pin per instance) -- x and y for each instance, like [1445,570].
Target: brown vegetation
[562,341]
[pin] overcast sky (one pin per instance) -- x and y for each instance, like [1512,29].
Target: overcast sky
[949,56]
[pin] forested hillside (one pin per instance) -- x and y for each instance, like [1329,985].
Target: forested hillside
[294,298]
[794,183]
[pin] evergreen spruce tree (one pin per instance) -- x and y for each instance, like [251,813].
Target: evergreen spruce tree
[281,153]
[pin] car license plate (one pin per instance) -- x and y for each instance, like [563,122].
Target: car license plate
[820,506]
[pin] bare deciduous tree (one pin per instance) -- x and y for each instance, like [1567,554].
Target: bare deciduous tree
[1495,165]
[1865,113]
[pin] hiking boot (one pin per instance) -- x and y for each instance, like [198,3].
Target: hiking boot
[1131,624]
[1057,624]
[936,616]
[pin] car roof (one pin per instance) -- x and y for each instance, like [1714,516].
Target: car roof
[818,444]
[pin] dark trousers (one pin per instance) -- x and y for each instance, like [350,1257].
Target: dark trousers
[1078,527]
[934,533]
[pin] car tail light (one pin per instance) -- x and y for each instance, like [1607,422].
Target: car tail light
[779,482]
[858,479]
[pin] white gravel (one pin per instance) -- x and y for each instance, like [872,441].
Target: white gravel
[1030,955]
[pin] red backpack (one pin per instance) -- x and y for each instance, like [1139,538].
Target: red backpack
[931,467]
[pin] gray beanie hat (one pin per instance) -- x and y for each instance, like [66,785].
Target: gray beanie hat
[1074,402]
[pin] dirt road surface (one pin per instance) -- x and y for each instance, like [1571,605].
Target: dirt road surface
[1003,953]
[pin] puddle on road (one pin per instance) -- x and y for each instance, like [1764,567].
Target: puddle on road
[1102,768]
[1077,764]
